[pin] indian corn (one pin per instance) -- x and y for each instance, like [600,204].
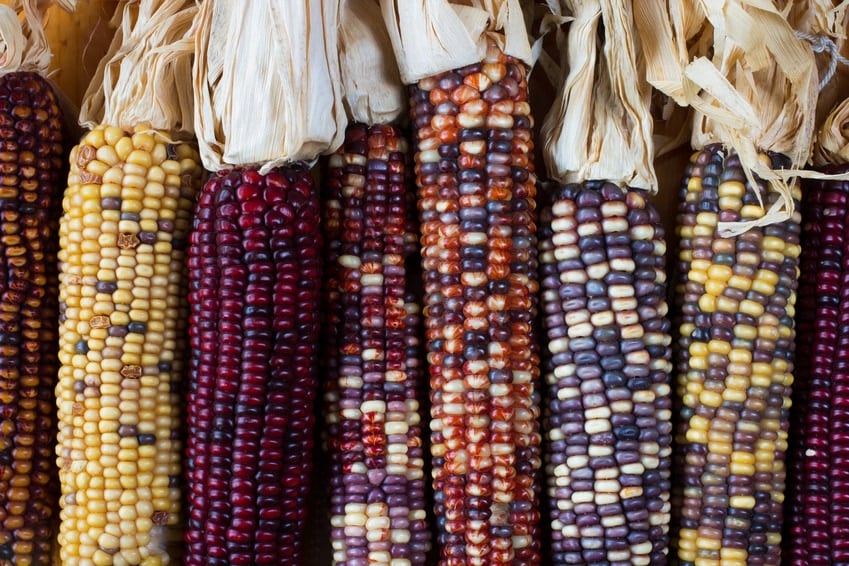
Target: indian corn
[254,279]
[123,238]
[735,357]
[476,184]
[32,164]
[372,394]
[817,525]
[608,418]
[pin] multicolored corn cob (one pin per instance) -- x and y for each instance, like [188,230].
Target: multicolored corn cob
[123,238]
[608,412]
[817,525]
[254,273]
[476,183]
[374,380]
[734,363]
[32,162]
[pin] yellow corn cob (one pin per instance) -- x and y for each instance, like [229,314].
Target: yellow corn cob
[122,245]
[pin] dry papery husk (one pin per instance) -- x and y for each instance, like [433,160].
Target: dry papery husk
[600,126]
[267,82]
[754,91]
[374,93]
[823,21]
[435,36]
[832,144]
[23,43]
[145,76]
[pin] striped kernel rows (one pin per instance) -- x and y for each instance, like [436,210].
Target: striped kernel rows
[474,172]
[32,165]
[734,364]
[817,525]
[608,417]
[374,381]
[254,285]
[123,238]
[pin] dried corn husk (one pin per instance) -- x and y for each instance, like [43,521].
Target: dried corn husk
[832,146]
[23,44]
[434,36]
[824,24]
[754,91]
[371,83]
[145,77]
[600,126]
[267,82]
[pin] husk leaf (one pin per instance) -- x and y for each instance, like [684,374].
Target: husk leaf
[754,91]
[828,21]
[267,82]
[832,145]
[374,93]
[23,43]
[434,36]
[145,76]
[600,126]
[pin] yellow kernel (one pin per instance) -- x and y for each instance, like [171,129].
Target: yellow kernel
[707,303]
[113,134]
[710,398]
[742,501]
[94,138]
[140,158]
[740,282]
[144,142]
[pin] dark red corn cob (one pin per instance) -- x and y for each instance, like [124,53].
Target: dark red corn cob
[374,425]
[31,174]
[477,206]
[254,265]
[609,406]
[817,529]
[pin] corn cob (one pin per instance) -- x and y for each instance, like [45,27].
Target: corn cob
[608,404]
[817,527]
[31,169]
[378,500]
[735,358]
[476,202]
[254,264]
[123,237]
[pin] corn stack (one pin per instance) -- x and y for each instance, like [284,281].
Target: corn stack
[817,502]
[123,239]
[378,500]
[31,168]
[607,340]
[476,200]
[736,345]
[608,417]
[817,526]
[255,277]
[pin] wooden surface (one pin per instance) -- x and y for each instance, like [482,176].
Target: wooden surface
[78,42]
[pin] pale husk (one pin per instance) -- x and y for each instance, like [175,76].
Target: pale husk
[23,43]
[600,126]
[145,76]
[754,91]
[374,93]
[434,36]
[827,22]
[267,82]
[832,146]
